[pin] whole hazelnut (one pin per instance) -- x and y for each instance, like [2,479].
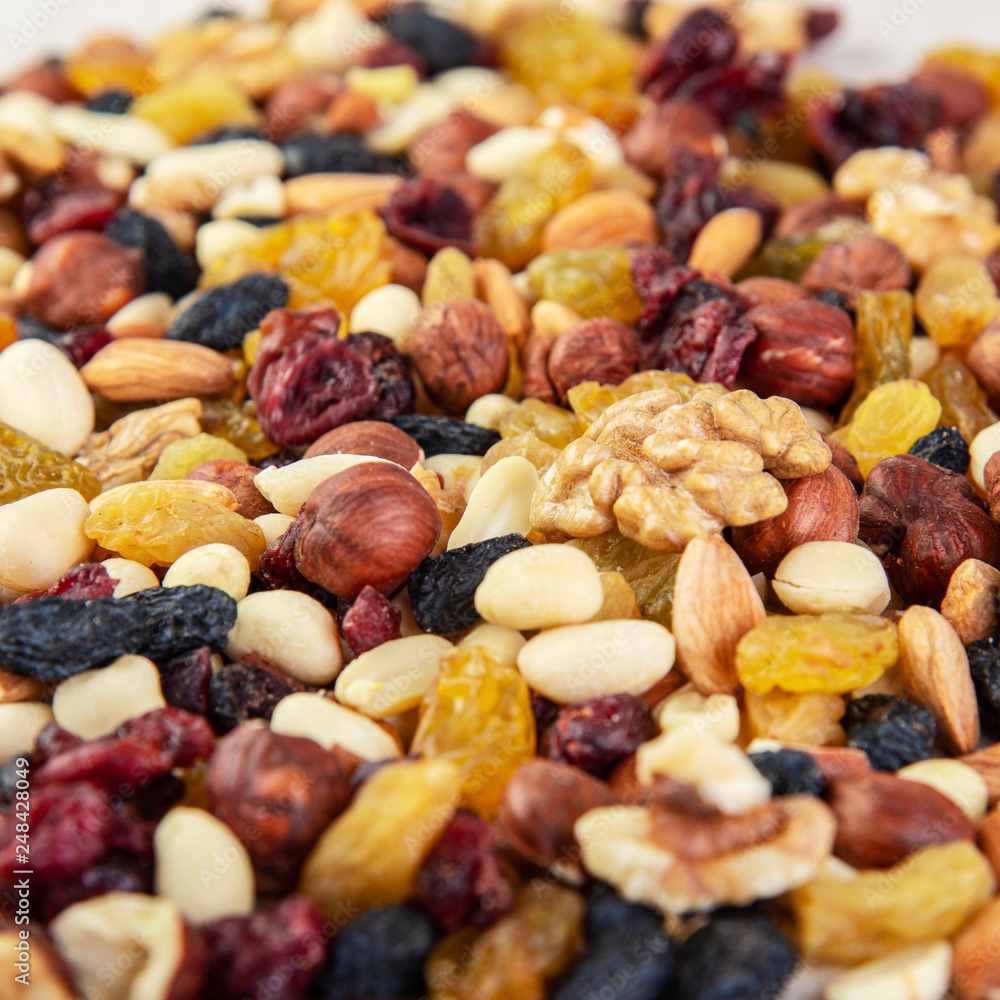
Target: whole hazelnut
[368,437]
[821,508]
[440,149]
[290,104]
[866,263]
[804,350]
[237,477]
[808,216]
[602,350]
[369,525]
[461,352]
[81,278]
[657,134]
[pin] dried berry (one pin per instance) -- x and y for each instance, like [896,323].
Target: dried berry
[224,315]
[82,342]
[168,269]
[311,153]
[445,435]
[944,446]
[278,567]
[28,467]
[184,680]
[734,957]
[790,772]
[378,956]
[73,199]
[984,662]
[391,370]
[247,689]
[371,620]
[277,948]
[461,881]
[112,102]
[703,40]
[429,215]
[439,43]
[52,638]
[81,583]
[892,731]
[595,735]
[443,588]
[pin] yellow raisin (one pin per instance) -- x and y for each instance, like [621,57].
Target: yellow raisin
[110,63]
[527,445]
[832,653]
[196,104]
[478,715]
[27,467]
[552,424]
[811,719]
[955,299]
[589,400]
[184,456]
[592,282]
[238,426]
[963,400]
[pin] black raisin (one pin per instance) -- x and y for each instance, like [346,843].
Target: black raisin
[441,44]
[226,133]
[391,370]
[892,731]
[247,689]
[168,268]
[606,911]
[114,102]
[446,435]
[734,958]
[224,315]
[443,588]
[944,446]
[311,153]
[184,680]
[378,956]
[790,772]
[52,638]
[260,221]
[984,662]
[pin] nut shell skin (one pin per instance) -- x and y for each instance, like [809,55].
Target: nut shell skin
[460,351]
[368,437]
[602,350]
[367,526]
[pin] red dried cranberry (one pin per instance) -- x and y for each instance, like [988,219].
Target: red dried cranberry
[595,735]
[82,342]
[247,689]
[277,563]
[117,871]
[184,680]
[429,215]
[71,200]
[461,881]
[390,368]
[752,86]
[274,951]
[81,583]
[545,712]
[371,620]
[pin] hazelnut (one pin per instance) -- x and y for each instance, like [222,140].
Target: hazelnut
[291,103]
[656,135]
[368,437]
[369,525]
[766,291]
[991,480]
[81,278]
[821,508]
[868,263]
[277,793]
[460,351]
[845,461]
[237,477]
[983,358]
[804,350]
[600,350]
[441,148]
[808,216]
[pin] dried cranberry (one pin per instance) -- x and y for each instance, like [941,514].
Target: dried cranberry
[390,368]
[117,871]
[429,215]
[184,680]
[461,881]
[545,712]
[71,200]
[81,583]
[278,568]
[247,689]
[274,952]
[371,620]
[752,86]
[82,342]
[820,23]
[595,735]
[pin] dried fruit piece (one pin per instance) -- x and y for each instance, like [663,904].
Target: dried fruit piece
[593,282]
[595,735]
[446,435]
[964,402]
[225,419]
[185,455]
[249,688]
[371,620]
[893,732]
[944,446]
[805,719]
[955,299]
[28,467]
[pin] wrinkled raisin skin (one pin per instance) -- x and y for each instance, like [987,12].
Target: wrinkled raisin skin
[944,446]
[184,680]
[595,735]
[893,732]
[790,772]
[168,269]
[446,435]
[81,583]
[984,662]
[429,216]
[247,689]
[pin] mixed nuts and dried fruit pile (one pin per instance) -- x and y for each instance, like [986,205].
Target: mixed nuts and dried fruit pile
[499,502]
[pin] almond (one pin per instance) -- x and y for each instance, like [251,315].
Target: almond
[989,838]
[976,963]
[987,763]
[935,667]
[343,193]
[715,605]
[496,289]
[139,370]
[600,218]
[970,604]
[727,242]
[882,818]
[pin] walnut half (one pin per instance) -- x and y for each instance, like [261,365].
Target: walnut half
[667,471]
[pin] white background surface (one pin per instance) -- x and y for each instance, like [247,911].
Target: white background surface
[878,39]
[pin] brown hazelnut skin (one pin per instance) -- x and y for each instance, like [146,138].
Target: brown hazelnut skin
[277,793]
[81,278]
[821,508]
[602,350]
[461,352]
[239,478]
[368,525]
[868,262]
[368,437]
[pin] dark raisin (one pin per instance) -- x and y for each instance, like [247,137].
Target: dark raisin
[440,44]
[545,712]
[391,370]
[52,638]
[734,958]
[226,133]
[260,221]
[224,315]
[944,446]
[277,564]
[429,215]
[371,620]
[247,689]
[168,268]
[984,662]
[184,680]
[311,153]
[445,435]
[273,952]
[81,583]
[82,342]
[113,102]
[443,588]
[378,956]
[635,13]
[606,911]
[892,731]
[832,297]
[790,772]
[461,881]
[596,734]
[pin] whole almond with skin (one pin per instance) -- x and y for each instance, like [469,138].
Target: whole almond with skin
[989,838]
[727,242]
[140,370]
[496,289]
[987,763]
[715,605]
[599,218]
[976,962]
[934,665]
[882,818]
[970,604]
